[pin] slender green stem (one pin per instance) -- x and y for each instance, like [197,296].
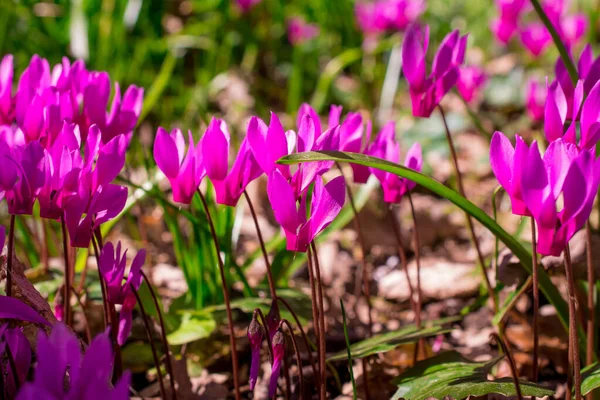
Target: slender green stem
[573,338]
[350,370]
[470,227]
[163,332]
[234,357]
[511,363]
[151,340]
[562,49]
[11,249]
[536,300]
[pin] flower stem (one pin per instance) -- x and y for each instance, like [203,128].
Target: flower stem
[511,362]
[573,337]
[67,286]
[234,357]
[263,321]
[163,333]
[88,333]
[315,310]
[417,248]
[11,249]
[149,332]
[403,260]
[590,298]
[322,345]
[102,285]
[536,300]
[262,247]
[297,351]
[366,277]
[470,227]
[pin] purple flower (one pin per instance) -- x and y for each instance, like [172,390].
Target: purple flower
[112,267]
[7,106]
[470,81]
[269,144]
[535,98]
[184,172]
[327,201]
[278,353]
[229,184]
[29,163]
[536,38]
[587,111]
[15,341]
[12,308]
[506,24]
[299,31]
[2,237]
[572,28]
[386,147]
[255,337]
[246,5]
[61,373]
[351,138]
[383,15]
[426,92]
[507,164]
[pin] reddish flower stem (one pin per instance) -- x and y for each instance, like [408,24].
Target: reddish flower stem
[297,351]
[163,333]
[234,357]
[511,363]
[263,321]
[313,303]
[102,285]
[322,344]
[417,248]
[403,260]
[591,322]
[67,286]
[11,249]
[149,332]
[573,337]
[88,333]
[470,227]
[536,300]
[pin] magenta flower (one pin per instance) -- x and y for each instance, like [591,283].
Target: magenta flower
[470,81]
[383,15]
[507,164]
[587,111]
[13,308]
[269,143]
[229,184]
[536,38]
[255,337]
[299,31]
[29,162]
[278,353]
[246,5]
[327,202]
[15,341]
[386,147]
[9,173]
[426,92]
[506,24]
[62,374]
[112,267]
[572,28]
[535,99]
[7,106]
[184,172]
[565,173]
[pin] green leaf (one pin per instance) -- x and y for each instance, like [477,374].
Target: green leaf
[546,285]
[192,328]
[449,374]
[590,378]
[388,341]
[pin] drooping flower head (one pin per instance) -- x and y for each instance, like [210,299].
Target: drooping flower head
[255,337]
[535,99]
[470,81]
[61,373]
[426,91]
[278,353]
[7,106]
[386,147]
[185,172]
[327,201]
[300,31]
[112,267]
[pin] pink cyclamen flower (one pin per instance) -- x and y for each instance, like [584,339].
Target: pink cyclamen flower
[299,31]
[327,202]
[185,172]
[269,143]
[536,38]
[246,5]
[505,25]
[565,174]
[229,184]
[7,106]
[507,164]
[255,337]
[470,81]
[386,147]
[535,98]
[13,308]
[587,111]
[426,91]
[382,15]
[572,28]
[61,373]
[20,350]
[112,267]
[29,162]
[278,353]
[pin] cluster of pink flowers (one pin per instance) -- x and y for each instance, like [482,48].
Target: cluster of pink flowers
[380,16]
[534,35]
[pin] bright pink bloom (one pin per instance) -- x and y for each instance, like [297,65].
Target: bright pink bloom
[470,81]
[185,172]
[383,15]
[586,111]
[278,353]
[229,184]
[536,38]
[327,202]
[565,173]
[426,91]
[246,5]
[299,31]
[29,162]
[13,308]
[505,25]
[535,98]
[386,147]
[507,163]
[7,106]
[112,267]
[572,28]
[270,143]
